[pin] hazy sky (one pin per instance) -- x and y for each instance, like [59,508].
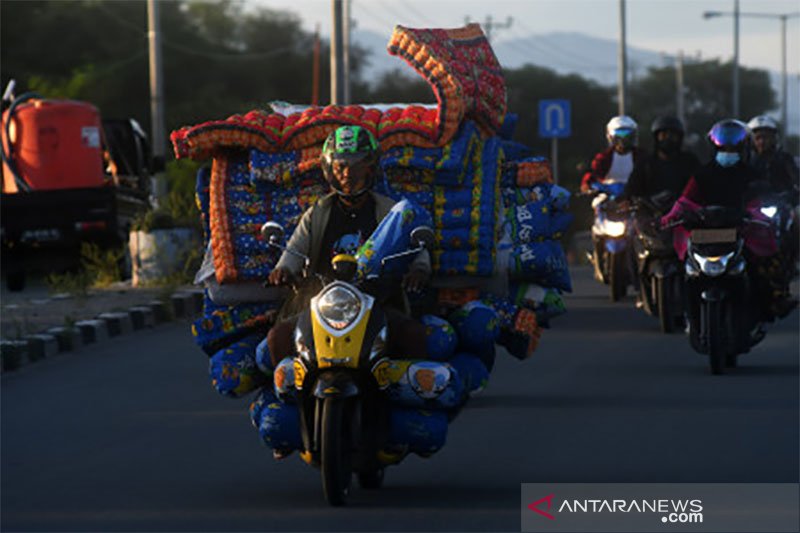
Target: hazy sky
[658,25]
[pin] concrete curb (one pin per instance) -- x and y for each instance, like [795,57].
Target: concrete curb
[15,354]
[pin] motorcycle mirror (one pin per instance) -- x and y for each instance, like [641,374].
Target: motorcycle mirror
[8,95]
[424,236]
[272,232]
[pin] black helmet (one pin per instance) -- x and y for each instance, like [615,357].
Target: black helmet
[667,123]
[355,147]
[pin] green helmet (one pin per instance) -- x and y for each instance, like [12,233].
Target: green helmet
[354,147]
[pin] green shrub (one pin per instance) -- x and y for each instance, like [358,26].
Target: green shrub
[178,209]
[101,265]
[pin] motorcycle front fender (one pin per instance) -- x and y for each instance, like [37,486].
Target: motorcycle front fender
[713,294]
[335,384]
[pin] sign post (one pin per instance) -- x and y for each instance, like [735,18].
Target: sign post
[555,117]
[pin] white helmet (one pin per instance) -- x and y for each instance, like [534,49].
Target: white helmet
[762,122]
[621,124]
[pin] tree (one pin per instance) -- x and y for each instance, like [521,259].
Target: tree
[707,98]
[591,106]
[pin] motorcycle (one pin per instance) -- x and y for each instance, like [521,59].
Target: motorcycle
[779,209]
[723,322]
[659,269]
[611,235]
[340,369]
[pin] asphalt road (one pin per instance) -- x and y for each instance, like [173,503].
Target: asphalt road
[130,435]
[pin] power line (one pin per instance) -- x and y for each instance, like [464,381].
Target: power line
[373,16]
[400,17]
[419,14]
[550,44]
[191,51]
[566,60]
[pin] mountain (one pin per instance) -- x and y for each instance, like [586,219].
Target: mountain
[566,53]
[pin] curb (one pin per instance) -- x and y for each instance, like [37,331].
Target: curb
[15,354]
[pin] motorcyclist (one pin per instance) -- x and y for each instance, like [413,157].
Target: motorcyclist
[340,222]
[727,180]
[773,163]
[668,168]
[664,172]
[615,163]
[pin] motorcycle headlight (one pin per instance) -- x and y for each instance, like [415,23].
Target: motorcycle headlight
[339,307]
[614,228]
[713,266]
[769,211]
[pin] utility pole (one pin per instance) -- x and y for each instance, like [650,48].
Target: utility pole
[315,70]
[679,104]
[784,83]
[736,15]
[337,55]
[622,69]
[346,51]
[156,98]
[489,25]
[735,58]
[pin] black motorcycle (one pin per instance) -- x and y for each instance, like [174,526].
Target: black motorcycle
[661,280]
[723,320]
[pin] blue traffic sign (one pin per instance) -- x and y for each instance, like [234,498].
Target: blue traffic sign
[554,118]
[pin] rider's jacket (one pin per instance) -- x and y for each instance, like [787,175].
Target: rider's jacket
[602,163]
[655,175]
[309,235]
[730,187]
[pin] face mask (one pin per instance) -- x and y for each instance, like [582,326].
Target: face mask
[669,146]
[727,159]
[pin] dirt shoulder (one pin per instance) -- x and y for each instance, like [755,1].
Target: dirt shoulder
[35,309]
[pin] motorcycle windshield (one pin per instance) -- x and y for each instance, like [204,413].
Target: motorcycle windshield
[392,236]
[611,189]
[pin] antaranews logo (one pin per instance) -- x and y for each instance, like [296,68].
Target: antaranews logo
[680,511]
[659,507]
[535,506]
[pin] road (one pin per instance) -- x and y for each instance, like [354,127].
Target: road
[130,435]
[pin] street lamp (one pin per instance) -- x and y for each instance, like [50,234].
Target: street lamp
[783,17]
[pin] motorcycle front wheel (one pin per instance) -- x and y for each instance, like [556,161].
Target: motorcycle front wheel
[713,332]
[335,452]
[664,292]
[618,278]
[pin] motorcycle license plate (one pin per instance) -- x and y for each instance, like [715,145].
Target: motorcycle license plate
[713,236]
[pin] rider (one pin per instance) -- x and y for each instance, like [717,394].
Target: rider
[615,163]
[768,158]
[669,168]
[340,222]
[666,171]
[727,180]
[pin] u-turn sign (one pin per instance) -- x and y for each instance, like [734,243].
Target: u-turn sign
[554,118]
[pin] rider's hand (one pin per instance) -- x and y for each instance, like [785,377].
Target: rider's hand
[280,276]
[415,280]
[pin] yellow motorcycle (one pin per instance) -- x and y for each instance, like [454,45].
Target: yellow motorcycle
[341,369]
